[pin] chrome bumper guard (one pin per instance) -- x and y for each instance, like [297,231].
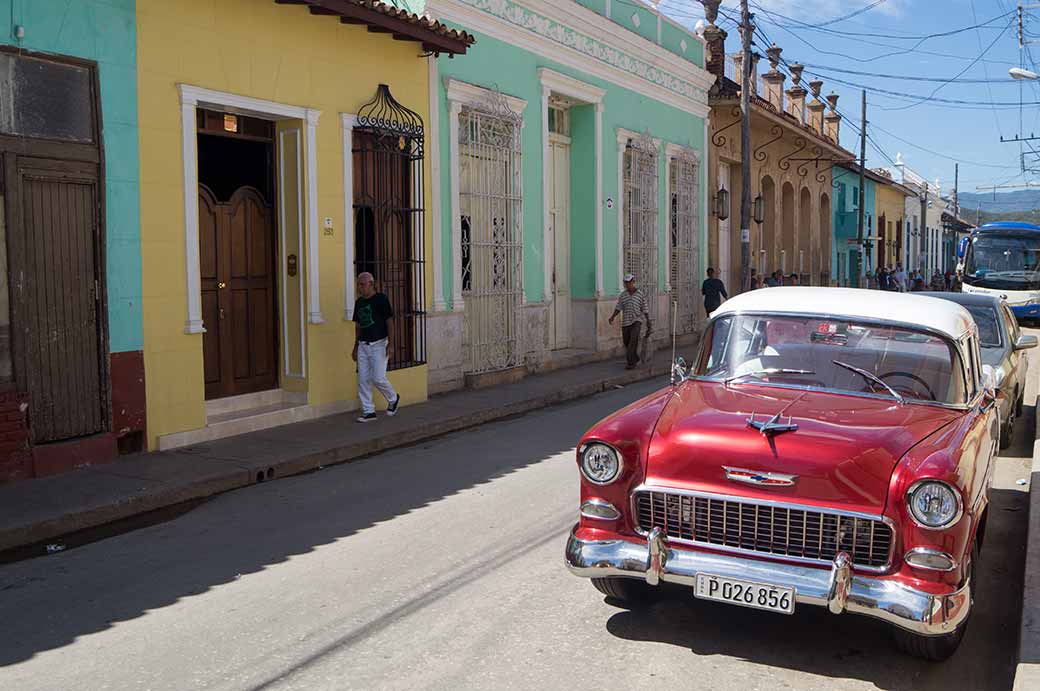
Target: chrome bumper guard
[839,589]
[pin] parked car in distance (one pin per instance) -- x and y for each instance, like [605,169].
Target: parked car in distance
[1002,343]
[829,447]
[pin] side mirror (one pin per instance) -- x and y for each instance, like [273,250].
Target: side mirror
[680,372]
[1025,342]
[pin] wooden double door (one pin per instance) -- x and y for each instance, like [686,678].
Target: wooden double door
[239,300]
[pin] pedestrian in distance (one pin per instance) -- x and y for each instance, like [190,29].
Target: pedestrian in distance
[756,281]
[632,307]
[901,278]
[937,283]
[373,317]
[794,280]
[714,292]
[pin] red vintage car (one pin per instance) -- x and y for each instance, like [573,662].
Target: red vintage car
[828,447]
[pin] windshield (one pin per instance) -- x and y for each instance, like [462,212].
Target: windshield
[825,354]
[1004,262]
[989,329]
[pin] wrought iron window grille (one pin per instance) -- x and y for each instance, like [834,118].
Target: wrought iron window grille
[389,228]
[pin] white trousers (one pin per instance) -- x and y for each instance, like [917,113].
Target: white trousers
[371,360]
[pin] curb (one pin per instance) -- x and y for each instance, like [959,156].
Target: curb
[230,475]
[1027,672]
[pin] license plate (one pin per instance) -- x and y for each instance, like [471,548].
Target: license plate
[744,593]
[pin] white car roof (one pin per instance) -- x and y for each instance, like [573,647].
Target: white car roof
[936,314]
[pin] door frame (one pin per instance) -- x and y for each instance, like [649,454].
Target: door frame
[91,155]
[556,140]
[16,251]
[194,97]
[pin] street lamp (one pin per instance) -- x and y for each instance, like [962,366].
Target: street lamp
[1019,73]
[722,204]
[759,214]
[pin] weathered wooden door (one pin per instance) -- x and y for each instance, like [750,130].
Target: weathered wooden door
[56,259]
[236,241]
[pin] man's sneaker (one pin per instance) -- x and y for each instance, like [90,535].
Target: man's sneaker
[392,408]
[367,417]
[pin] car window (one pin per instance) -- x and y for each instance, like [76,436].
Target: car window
[989,328]
[1012,323]
[804,352]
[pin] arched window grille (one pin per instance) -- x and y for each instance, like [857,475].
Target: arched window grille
[388,149]
[684,177]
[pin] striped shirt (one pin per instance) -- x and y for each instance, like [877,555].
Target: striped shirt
[632,307]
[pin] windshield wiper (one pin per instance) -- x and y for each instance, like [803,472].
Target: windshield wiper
[873,379]
[768,370]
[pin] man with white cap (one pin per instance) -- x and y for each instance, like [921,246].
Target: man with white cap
[631,305]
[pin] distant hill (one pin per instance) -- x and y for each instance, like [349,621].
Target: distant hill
[1015,201]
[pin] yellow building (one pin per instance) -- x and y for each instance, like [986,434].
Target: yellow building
[892,231]
[282,152]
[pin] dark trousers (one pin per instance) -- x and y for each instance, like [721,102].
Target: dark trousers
[630,337]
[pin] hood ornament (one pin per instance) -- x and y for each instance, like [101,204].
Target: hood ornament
[754,477]
[771,426]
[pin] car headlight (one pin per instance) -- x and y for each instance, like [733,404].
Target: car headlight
[600,464]
[934,504]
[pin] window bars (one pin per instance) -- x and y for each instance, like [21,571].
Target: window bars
[490,199]
[388,217]
[684,176]
[640,209]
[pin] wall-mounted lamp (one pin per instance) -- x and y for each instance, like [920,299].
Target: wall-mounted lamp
[722,204]
[759,209]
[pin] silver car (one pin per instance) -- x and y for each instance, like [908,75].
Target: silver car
[1002,342]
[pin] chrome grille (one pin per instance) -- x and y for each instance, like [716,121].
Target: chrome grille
[779,530]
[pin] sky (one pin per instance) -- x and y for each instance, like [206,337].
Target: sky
[885,40]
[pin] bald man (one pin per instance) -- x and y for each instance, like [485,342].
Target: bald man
[373,316]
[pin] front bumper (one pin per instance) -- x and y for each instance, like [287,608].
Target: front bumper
[838,589]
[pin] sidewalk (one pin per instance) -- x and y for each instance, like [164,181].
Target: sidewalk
[1027,674]
[43,509]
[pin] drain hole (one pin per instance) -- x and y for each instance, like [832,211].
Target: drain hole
[260,476]
[270,473]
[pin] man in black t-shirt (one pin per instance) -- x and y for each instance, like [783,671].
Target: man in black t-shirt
[372,317]
[713,290]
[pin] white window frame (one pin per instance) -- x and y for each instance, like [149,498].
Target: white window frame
[460,94]
[623,138]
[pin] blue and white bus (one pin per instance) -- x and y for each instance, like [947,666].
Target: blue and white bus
[1003,259]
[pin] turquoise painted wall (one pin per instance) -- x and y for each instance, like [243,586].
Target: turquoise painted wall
[482,65]
[846,221]
[103,31]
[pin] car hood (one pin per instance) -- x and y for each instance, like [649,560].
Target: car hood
[843,451]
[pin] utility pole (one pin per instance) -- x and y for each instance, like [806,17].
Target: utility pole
[956,197]
[923,239]
[746,30]
[862,192]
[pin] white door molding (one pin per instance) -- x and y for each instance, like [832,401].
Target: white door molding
[193,97]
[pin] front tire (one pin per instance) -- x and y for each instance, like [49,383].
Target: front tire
[1007,431]
[938,648]
[627,590]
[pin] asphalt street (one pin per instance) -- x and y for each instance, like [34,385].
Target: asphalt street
[441,566]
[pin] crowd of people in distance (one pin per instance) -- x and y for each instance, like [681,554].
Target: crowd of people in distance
[883,278]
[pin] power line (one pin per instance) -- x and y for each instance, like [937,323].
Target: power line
[940,155]
[913,78]
[920,38]
[860,11]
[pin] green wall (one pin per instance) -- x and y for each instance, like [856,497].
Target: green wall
[494,64]
[105,32]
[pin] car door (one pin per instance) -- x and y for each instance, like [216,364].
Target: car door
[1017,362]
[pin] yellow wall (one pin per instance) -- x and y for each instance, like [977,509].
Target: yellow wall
[890,202]
[279,53]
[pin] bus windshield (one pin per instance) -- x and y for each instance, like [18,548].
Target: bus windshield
[1004,262]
